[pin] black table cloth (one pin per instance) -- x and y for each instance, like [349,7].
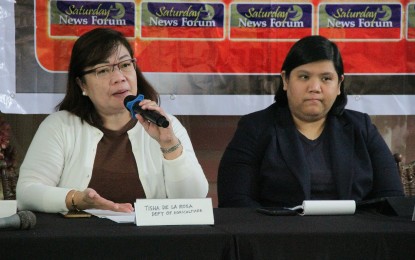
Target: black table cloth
[237,234]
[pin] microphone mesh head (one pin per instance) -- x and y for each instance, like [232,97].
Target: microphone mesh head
[128,99]
[27,219]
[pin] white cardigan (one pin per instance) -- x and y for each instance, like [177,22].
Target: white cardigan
[61,158]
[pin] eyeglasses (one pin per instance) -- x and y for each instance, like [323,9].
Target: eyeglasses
[105,72]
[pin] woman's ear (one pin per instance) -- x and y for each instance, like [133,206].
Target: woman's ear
[79,82]
[341,79]
[80,85]
[284,80]
[340,83]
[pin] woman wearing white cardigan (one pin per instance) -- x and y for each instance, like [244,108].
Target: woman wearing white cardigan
[93,153]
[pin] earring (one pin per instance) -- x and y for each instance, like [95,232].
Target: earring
[84,93]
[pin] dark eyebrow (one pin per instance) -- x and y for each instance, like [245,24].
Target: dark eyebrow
[303,71]
[106,62]
[328,73]
[323,74]
[125,56]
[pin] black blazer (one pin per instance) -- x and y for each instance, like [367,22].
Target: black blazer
[264,164]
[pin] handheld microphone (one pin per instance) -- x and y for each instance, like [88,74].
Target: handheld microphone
[131,103]
[20,220]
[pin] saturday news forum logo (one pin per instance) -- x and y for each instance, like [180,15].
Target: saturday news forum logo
[73,18]
[181,20]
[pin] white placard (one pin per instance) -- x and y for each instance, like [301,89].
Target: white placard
[7,208]
[160,212]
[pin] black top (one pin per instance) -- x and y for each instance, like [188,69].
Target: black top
[316,154]
[264,164]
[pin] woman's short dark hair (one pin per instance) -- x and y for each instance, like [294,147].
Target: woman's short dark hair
[311,49]
[92,48]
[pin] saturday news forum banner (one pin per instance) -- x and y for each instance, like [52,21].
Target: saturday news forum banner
[230,47]
[233,36]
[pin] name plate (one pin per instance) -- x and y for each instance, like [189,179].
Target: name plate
[161,212]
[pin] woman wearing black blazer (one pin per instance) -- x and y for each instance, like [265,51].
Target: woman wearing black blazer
[306,145]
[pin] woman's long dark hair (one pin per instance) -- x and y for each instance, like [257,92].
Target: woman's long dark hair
[311,49]
[92,48]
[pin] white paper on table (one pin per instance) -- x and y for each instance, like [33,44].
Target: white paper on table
[119,217]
